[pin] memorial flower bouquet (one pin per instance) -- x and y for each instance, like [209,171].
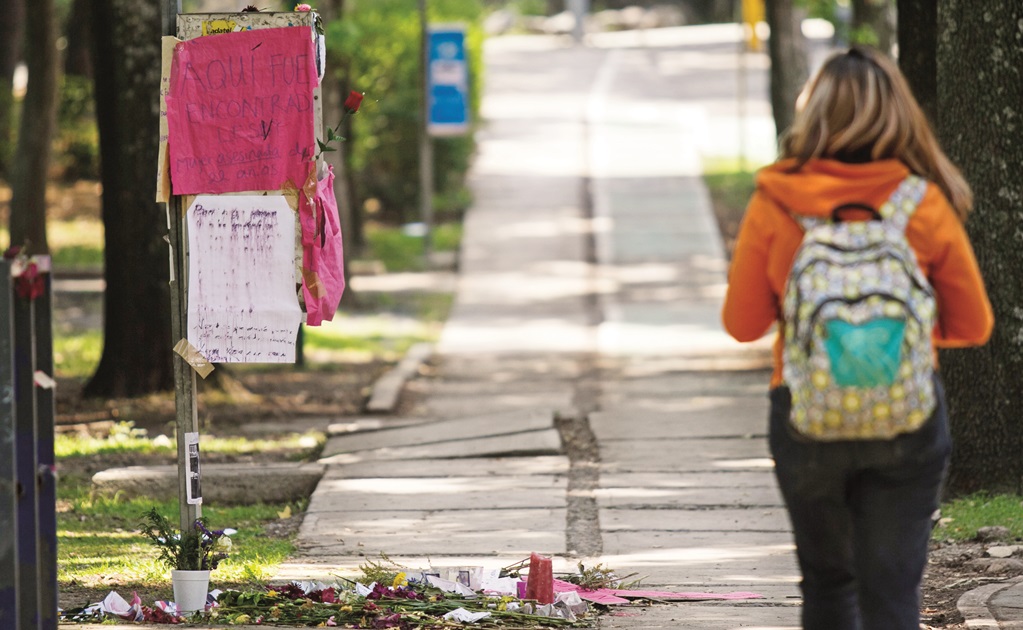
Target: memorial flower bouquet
[198,549]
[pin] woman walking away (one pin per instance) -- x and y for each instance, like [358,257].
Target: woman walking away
[854,243]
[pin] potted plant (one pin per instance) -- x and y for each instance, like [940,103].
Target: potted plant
[191,555]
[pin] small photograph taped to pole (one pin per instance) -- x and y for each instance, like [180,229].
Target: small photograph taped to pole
[194,485]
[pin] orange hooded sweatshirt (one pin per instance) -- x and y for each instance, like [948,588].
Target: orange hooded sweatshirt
[769,237]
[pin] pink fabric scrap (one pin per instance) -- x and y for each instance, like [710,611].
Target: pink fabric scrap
[240,111]
[323,255]
[611,596]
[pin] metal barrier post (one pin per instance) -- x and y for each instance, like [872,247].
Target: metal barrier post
[8,483]
[28,553]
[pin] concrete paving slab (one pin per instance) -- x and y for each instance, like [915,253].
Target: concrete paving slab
[360,425]
[685,455]
[503,368]
[237,484]
[712,479]
[426,522]
[682,418]
[388,388]
[703,557]
[441,431]
[647,519]
[686,383]
[547,402]
[532,443]
[451,493]
[477,466]
[520,542]
[703,616]
[654,498]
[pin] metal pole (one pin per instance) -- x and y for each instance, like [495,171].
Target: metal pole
[425,142]
[26,465]
[46,464]
[186,409]
[8,481]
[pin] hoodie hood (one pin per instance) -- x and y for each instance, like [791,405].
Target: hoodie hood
[821,185]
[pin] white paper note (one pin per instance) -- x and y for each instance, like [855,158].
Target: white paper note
[242,302]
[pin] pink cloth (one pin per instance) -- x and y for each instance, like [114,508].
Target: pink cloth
[323,254]
[240,111]
[611,596]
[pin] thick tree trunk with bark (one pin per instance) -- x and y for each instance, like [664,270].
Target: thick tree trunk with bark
[39,112]
[137,340]
[11,27]
[334,94]
[873,23]
[918,50]
[787,48]
[78,54]
[980,97]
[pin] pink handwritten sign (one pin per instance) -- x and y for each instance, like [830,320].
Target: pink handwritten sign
[240,111]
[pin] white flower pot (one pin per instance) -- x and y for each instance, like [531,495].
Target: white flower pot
[190,590]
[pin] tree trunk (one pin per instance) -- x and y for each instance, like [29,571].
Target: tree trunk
[137,341]
[918,49]
[787,48]
[10,53]
[979,54]
[77,56]
[39,112]
[872,23]
[334,94]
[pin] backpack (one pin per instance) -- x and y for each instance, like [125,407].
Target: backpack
[858,318]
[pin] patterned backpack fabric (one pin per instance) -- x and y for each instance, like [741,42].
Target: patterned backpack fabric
[859,315]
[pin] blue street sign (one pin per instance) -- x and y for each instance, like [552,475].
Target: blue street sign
[447,81]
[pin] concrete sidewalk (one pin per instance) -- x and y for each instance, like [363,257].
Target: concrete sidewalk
[589,290]
[586,404]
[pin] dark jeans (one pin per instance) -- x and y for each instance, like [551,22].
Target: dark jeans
[861,514]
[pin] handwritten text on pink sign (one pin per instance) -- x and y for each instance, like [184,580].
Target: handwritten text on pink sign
[240,111]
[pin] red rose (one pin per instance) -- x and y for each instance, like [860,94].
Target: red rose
[353,101]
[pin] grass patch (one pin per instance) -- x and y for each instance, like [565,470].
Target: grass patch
[962,517]
[399,251]
[125,438]
[730,190]
[403,321]
[98,541]
[76,355]
[75,244]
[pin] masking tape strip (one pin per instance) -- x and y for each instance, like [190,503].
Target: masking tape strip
[43,380]
[312,282]
[191,356]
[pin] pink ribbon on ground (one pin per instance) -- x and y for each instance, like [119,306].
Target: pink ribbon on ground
[611,596]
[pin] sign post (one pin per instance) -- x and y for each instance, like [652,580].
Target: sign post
[243,112]
[446,102]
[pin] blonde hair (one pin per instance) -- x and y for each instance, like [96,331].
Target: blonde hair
[859,108]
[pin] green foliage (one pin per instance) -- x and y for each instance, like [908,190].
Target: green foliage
[399,251]
[178,550]
[99,543]
[77,354]
[76,144]
[730,188]
[124,438]
[962,517]
[375,49]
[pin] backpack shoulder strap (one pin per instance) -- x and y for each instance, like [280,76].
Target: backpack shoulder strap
[902,203]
